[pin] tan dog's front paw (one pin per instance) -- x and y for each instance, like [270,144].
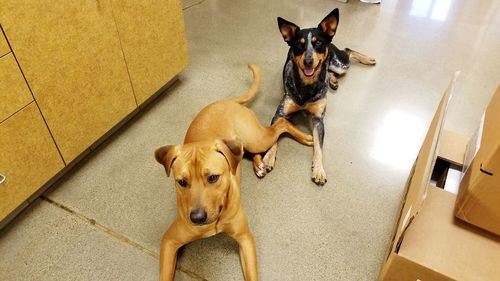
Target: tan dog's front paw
[318,175]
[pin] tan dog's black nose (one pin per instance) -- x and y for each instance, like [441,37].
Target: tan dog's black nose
[198,216]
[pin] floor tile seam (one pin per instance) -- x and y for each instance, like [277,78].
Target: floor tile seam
[191,274]
[116,235]
[192,5]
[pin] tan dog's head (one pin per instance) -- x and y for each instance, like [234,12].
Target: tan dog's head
[203,173]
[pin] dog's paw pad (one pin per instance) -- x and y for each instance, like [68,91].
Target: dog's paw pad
[318,176]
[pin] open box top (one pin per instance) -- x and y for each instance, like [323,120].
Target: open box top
[428,242]
[418,180]
[478,201]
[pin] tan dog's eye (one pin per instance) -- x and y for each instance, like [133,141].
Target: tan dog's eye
[213,179]
[182,182]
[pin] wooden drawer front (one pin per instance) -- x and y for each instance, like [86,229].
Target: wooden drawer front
[155,49]
[14,93]
[4,47]
[29,157]
[71,56]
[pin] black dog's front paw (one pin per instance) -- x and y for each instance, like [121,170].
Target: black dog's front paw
[332,81]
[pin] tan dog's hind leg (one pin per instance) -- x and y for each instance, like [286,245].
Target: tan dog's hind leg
[258,166]
[362,58]
[268,138]
[284,126]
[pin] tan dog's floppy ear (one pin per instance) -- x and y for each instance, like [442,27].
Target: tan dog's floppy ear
[287,29]
[166,155]
[232,150]
[329,24]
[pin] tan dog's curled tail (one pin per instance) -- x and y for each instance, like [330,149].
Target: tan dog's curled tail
[254,88]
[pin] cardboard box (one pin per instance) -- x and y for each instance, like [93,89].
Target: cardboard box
[428,242]
[478,200]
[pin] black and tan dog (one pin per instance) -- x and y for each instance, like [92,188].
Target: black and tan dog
[311,66]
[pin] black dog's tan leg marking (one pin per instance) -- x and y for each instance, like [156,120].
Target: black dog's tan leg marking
[362,58]
[317,109]
[332,80]
[286,107]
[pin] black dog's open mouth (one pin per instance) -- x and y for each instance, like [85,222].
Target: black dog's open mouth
[308,72]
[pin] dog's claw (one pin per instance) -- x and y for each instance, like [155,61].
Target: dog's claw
[261,171]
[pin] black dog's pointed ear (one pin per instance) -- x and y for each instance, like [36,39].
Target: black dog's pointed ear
[329,24]
[287,29]
[166,155]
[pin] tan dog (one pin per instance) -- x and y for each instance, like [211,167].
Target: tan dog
[207,175]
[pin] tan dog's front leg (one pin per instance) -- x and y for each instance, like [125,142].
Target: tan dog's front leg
[248,256]
[168,259]
[171,242]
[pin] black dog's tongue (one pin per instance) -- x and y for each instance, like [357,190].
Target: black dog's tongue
[309,72]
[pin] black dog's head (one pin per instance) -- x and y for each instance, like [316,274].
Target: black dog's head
[310,46]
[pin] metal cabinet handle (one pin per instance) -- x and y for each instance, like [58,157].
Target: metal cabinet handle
[2,179]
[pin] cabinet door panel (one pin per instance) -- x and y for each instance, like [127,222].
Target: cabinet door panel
[14,93]
[4,47]
[29,157]
[153,41]
[71,56]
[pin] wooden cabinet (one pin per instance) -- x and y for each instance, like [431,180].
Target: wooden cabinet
[69,72]
[29,157]
[154,46]
[14,93]
[71,56]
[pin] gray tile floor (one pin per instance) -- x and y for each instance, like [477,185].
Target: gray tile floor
[105,219]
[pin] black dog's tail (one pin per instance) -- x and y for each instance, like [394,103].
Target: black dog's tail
[254,88]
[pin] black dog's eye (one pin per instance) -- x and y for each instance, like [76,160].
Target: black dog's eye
[318,44]
[182,182]
[213,178]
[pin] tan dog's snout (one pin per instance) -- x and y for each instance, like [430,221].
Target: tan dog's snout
[198,216]
[203,173]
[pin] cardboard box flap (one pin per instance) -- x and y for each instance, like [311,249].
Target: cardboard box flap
[491,164]
[452,147]
[421,172]
[438,241]
[491,138]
